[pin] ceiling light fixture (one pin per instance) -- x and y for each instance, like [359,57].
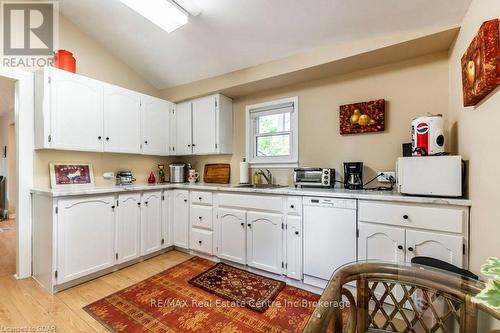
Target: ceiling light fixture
[164,13]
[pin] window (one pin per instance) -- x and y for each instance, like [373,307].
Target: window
[272,133]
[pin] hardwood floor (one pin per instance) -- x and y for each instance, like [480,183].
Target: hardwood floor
[7,247]
[25,303]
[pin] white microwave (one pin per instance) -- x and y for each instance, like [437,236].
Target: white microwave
[430,175]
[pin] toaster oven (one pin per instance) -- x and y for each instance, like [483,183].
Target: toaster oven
[314,177]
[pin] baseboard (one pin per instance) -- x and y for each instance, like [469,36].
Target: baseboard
[12,216]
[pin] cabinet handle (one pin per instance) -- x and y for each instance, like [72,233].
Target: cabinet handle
[113,207]
[242,224]
[138,204]
[145,142]
[146,203]
[297,233]
[194,145]
[410,249]
[189,145]
[406,217]
[200,217]
[200,242]
[249,225]
[185,200]
[107,138]
[292,206]
[400,247]
[99,137]
[200,198]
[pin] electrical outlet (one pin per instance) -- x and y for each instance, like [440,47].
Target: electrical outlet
[386,176]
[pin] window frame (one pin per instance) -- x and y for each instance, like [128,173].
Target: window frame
[269,108]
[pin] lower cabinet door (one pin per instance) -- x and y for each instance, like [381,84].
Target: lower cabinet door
[181,218]
[265,241]
[167,216]
[379,242]
[232,244]
[294,247]
[444,247]
[151,222]
[201,240]
[85,236]
[128,227]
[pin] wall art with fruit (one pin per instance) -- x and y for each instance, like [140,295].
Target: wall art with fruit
[362,117]
[481,64]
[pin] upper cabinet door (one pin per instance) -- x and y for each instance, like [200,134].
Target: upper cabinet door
[121,120]
[76,112]
[154,125]
[448,248]
[204,125]
[183,119]
[265,241]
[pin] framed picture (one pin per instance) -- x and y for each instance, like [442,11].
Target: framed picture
[364,117]
[481,64]
[71,175]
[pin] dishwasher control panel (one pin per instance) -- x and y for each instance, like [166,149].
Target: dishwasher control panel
[332,202]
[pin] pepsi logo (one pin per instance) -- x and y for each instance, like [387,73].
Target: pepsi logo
[422,128]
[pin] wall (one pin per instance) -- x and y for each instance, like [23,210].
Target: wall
[476,134]
[7,165]
[95,61]
[413,87]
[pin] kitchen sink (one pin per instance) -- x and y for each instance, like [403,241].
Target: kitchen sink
[259,186]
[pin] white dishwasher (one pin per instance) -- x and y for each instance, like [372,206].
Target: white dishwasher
[329,237]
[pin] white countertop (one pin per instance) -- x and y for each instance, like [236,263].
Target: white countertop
[320,192]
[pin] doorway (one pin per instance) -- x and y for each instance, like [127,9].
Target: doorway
[8,183]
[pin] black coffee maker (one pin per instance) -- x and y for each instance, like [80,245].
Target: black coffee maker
[353,175]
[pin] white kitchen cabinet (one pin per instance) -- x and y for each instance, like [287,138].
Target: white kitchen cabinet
[201,240]
[151,222]
[379,242]
[122,110]
[167,215]
[85,236]
[183,120]
[128,227]
[71,110]
[265,241]
[204,126]
[436,245]
[181,218]
[294,247]
[155,120]
[232,245]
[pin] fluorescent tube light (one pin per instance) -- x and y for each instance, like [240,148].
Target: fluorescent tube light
[163,13]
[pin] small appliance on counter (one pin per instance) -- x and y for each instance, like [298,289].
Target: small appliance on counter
[178,172]
[353,175]
[314,177]
[430,175]
[427,135]
[124,178]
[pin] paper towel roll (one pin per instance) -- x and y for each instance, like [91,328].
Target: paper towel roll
[244,172]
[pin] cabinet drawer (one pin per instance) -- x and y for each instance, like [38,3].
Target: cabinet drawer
[202,198]
[437,218]
[201,216]
[294,205]
[249,202]
[201,240]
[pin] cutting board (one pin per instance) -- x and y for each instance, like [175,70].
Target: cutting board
[217,173]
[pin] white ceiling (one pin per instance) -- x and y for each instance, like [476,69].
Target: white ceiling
[233,34]
[7,91]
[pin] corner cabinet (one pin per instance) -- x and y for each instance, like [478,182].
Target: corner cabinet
[74,112]
[204,126]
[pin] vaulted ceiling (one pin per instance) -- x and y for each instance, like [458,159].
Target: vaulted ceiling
[233,34]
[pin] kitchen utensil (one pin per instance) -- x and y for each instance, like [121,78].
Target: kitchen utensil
[178,172]
[217,173]
[64,59]
[124,178]
[353,175]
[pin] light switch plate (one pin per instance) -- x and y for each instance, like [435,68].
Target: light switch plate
[108,175]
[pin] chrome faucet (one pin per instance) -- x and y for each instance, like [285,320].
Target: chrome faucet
[267,175]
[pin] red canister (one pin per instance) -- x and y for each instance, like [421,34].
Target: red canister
[64,60]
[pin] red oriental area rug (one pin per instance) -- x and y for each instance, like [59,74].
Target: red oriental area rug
[247,289]
[167,302]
